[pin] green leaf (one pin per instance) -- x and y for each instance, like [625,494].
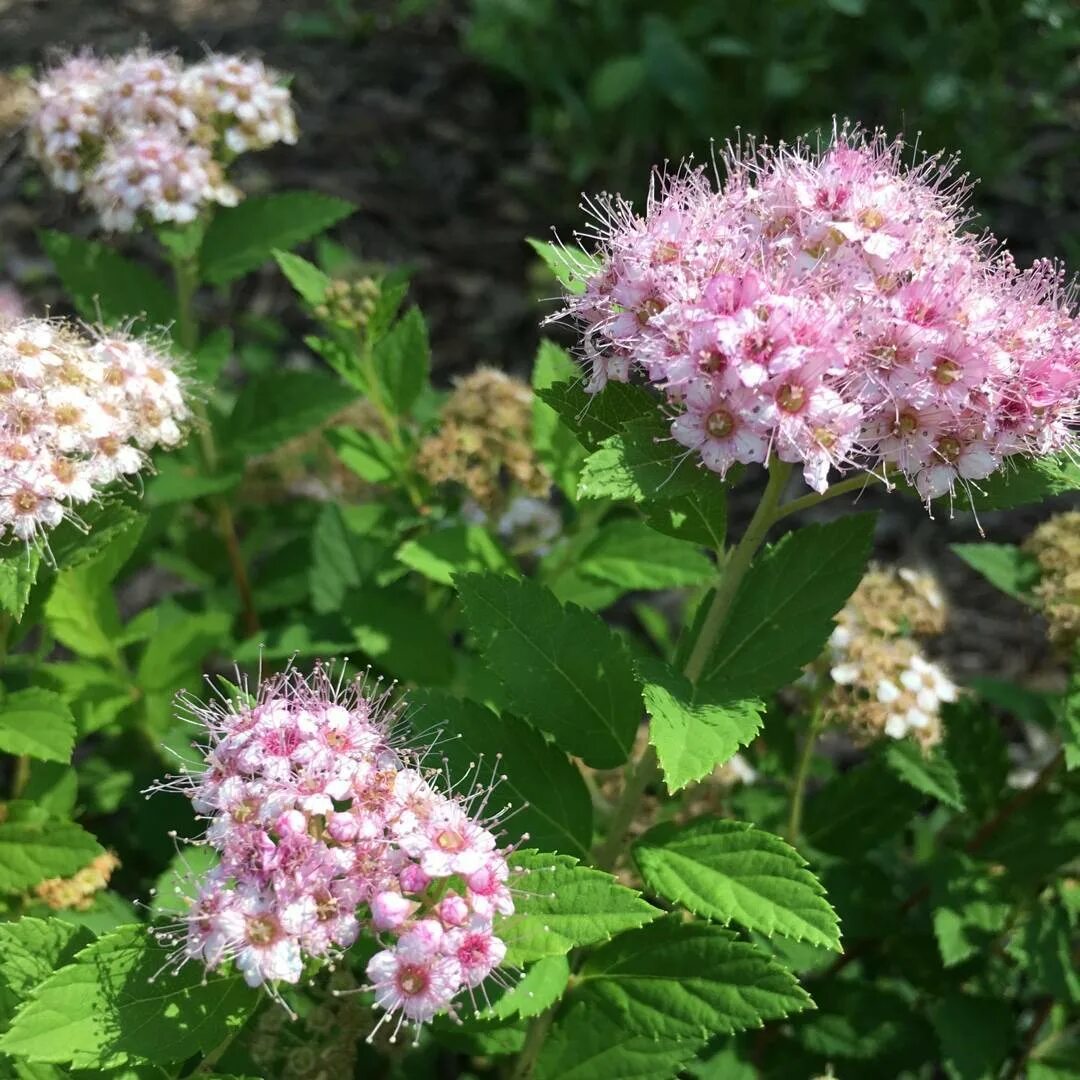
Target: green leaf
[930,772]
[563,668]
[970,908]
[120,1002]
[699,517]
[104,285]
[616,81]
[1070,720]
[858,1020]
[18,574]
[103,524]
[642,463]
[1054,819]
[542,986]
[728,870]
[278,405]
[693,733]
[334,568]
[213,354]
[860,809]
[32,949]
[372,458]
[571,266]
[306,278]
[241,238]
[975,1034]
[35,850]
[675,70]
[1045,949]
[628,553]
[553,804]
[586,1044]
[1004,565]
[180,646]
[556,444]
[1031,480]
[563,905]
[176,482]
[402,360]
[687,980]
[37,723]
[441,554]
[783,612]
[975,746]
[596,417]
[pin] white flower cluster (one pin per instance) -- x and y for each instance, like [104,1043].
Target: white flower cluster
[143,136]
[76,414]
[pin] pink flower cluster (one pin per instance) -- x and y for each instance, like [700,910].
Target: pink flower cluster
[325,828]
[76,414]
[827,306]
[144,137]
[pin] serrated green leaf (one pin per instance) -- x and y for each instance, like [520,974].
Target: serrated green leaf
[563,905]
[1044,948]
[970,908]
[687,980]
[562,668]
[102,525]
[553,803]
[117,1004]
[441,554]
[18,574]
[242,237]
[728,870]
[642,463]
[1030,480]
[628,553]
[860,809]
[37,723]
[596,417]
[556,445]
[32,851]
[571,266]
[930,772]
[542,986]
[402,360]
[180,646]
[975,1033]
[32,949]
[586,1044]
[306,278]
[783,612]
[699,517]
[975,746]
[691,732]
[334,568]
[278,405]
[1054,819]
[104,285]
[1070,719]
[1005,566]
[861,1021]
[372,458]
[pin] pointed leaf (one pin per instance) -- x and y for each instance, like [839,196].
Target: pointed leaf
[571,266]
[1005,566]
[628,553]
[32,851]
[32,949]
[929,772]
[37,723]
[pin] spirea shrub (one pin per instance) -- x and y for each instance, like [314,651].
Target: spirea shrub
[615,795]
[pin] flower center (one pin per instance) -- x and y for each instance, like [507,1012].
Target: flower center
[949,448]
[261,930]
[871,218]
[66,414]
[711,360]
[720,424]
[25,501]
[666,252]
[906,423]
[824,437]
[648,309]
[412,980]
[449,840]
[946,371]
[791,397]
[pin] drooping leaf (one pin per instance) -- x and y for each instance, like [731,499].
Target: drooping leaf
[278,405]
[930,772]
[783,612]
[1004,565]
[563,905]
[691,731]
[552,801]
[628,553]
[687,980]
[115,1004]
[104,285]
[242,237]
[31,851]
[729,870]
[562,668]
[37,723]
[542,986]
[571,266]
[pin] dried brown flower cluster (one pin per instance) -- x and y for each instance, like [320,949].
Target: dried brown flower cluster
[349,303]
[874,678]
[484,441]
[1055,546]
[77,892]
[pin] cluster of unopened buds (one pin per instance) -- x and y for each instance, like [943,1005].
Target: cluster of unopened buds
[78,411]
[145,138]
[826,306]
[326,829]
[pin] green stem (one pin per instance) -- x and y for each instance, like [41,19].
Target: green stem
[186,274]
[853,483]
[798,791]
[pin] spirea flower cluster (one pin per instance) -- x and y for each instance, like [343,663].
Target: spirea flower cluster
[827,306]
[326,830]
[145,138]
[77,412]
